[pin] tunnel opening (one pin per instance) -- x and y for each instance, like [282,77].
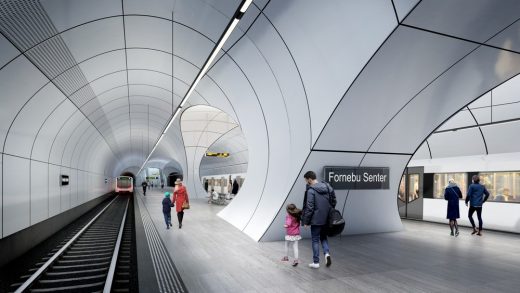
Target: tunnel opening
[220,156]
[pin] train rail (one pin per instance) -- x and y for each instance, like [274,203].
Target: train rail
[95,259]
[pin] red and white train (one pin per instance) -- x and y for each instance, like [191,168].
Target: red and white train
[124,184]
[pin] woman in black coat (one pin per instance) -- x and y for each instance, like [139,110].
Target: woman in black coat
[452,194]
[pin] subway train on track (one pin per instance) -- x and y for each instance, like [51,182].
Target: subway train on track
[421,196]
[124,184]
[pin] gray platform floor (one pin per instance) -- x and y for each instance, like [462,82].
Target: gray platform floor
[214,256]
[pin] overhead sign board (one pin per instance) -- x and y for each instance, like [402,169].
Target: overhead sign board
[220,155]
[357,177]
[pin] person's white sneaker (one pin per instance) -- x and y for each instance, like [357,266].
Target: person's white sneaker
[314,265]
[328,261]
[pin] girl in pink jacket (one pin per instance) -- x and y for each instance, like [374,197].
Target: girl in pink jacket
[292,227]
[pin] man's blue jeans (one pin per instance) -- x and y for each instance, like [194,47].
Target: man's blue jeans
[318,233]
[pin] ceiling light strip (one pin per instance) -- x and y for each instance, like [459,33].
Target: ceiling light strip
[231,26]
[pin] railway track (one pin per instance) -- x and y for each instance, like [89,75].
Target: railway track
[96,259]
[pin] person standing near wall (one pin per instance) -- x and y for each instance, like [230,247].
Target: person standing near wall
[477,195]
[452,194]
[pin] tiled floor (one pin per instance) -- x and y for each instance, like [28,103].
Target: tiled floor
[213,256]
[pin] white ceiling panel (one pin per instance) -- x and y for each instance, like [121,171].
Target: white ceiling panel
[465,142]
[24,129]
[208,17]
[422,153]
[149,59]
[191,45]
[156,102]
[95,38]
[108,82]
[469,79]
[50,128]
[401,73]
[19,81]
[502,138]
[508,92]
[483,115]
[149,90]
[461,119]
[508,39]
[117,92]
[151,78]
[148,32]
[403,7]
[476,20]
[483,101]
[8,51]
[68,13]
[510,111]
[63,137]
[330,58]
[103,64]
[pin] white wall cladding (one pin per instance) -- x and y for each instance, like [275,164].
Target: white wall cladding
[16,197]
[39,181]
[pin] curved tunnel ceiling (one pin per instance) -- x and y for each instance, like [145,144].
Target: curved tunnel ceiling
[311,83]
[489,125]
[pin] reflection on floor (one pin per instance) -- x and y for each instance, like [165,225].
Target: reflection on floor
[213,256]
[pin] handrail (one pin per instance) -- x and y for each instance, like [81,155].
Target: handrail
[111,271]
[60,252]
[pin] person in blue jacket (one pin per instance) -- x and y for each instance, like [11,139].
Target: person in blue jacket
[320,198]
[452,194]
[477,195]
[167,209]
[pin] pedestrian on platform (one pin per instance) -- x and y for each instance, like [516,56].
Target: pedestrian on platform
[477,196]
[292,231]
[166,209]
[181,200]
[452,194]
[320,199]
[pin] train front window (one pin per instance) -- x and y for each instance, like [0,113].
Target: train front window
[124,182]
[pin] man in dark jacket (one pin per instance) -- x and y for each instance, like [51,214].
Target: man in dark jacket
[475,196]
[320,199]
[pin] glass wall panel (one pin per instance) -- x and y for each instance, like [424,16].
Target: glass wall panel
[440,181]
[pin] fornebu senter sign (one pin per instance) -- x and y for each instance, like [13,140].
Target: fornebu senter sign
[357,177]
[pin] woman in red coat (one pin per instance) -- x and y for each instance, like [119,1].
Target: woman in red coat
[180,195]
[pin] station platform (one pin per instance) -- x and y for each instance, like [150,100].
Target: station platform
[211,255]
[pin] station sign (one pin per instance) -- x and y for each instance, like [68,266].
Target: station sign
[357,177]
[220,155]
[64,180]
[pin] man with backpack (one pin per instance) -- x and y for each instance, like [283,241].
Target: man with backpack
[320,199]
